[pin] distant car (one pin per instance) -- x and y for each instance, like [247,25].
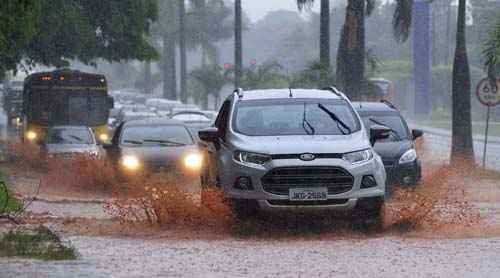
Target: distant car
[153,146]
[194,120]
[398,150]
[185,107]
[69,140]
[210,114]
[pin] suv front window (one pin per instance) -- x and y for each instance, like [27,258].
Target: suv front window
[295,117]
[69,136]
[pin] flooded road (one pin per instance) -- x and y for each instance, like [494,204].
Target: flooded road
[377,257]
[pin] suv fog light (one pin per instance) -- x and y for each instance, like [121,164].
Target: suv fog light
[243,183]
[368,182]
[407,180]
[31,135]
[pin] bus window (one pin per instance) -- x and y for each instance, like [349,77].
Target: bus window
[98,109]
[78,110]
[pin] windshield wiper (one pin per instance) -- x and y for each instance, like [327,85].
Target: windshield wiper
[164,142]
[76,138]
[135,142]
[306,122]
[336,119]
[396,135]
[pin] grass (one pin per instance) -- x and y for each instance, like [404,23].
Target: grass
[39,243]
[478,127]
[8,203]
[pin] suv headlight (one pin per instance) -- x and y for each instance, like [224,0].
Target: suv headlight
[130,162]
[408,156]
[359,156]
[253,158]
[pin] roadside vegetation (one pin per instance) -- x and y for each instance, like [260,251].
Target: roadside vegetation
[38,243]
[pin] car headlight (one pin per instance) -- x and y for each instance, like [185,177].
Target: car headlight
[193,161]
[130,162]
[31,135]
[408,156]
[358,157]
[103,137]
[253,158]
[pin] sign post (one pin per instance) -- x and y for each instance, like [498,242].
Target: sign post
[489,96]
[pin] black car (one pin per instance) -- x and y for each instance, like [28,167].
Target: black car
[154,145]
[398,150]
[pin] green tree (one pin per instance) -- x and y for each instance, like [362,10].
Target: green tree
[183,50]
[54,32]
[13,35]
[462,143]
[265,76]
[212,78]
[238,44]
[492,51]
[324,44]
[352,48]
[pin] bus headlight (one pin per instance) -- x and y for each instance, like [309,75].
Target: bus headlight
[193,161]
[31,135]
[103,137]
[130,162]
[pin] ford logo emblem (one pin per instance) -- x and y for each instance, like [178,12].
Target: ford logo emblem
[307,157]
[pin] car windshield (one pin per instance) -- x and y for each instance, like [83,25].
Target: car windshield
[392,121]
[176,135]
[69,136]
[295,117]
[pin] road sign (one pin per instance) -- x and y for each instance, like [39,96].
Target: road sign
[489,96]
[486,94]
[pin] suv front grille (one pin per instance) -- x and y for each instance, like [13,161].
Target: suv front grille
[280,180]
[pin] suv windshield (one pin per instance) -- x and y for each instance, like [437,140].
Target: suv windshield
[174,135]
[295,117]
[69,136]
[392,121]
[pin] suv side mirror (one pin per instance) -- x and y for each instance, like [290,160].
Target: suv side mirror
[378,132]
[417,133]
[210,134]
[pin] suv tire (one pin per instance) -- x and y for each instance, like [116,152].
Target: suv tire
[367,215]
[244,209]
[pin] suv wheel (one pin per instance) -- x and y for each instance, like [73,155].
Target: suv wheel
[244,209]
[367,215]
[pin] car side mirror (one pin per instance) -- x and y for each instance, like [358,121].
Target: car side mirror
[210,134]
[378,132]
[417,133]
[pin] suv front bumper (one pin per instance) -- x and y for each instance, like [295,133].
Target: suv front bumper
[344,201]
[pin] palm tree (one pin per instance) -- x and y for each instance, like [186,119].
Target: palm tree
[238,44]
[492,52]
[462,144]
[169,53]
[182,50]
[352,48]
[324,44]
[212,78]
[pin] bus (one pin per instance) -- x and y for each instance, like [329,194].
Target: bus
[65,97]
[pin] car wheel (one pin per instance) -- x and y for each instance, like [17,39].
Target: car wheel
[244,209]
[367,215]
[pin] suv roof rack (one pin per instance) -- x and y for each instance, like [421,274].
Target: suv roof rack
[388,103]
[239,92]
[335,91]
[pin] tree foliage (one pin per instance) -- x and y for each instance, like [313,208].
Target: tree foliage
[13,35]
[53,32]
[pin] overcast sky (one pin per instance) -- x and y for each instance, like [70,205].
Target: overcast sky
[257,9]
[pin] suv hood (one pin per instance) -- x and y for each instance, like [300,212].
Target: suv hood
[304,143]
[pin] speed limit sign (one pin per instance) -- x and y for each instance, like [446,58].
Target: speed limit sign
[487,94]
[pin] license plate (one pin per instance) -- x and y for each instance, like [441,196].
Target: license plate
[308,194]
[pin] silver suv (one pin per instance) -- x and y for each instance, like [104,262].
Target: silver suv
[294,148]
